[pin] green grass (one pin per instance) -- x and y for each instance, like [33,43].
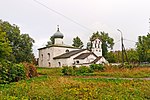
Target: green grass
[51,85]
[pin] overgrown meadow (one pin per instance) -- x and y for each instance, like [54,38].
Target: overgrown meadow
[51,84]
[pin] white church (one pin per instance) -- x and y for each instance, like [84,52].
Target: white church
[59,54]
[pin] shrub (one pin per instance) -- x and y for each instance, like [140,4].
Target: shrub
[30,70]
[97,67]
[82,70]
[10,72]
[68,70]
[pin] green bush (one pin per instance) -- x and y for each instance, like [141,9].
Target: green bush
[68,70]
[82,70]
[76,71]
[97,67]
[10,72]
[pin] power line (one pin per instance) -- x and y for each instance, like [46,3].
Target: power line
[63,15]
[117,41]
[130,40]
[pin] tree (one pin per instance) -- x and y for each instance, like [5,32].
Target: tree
[107,42]
[143,47]
[21,43]
[132,56]
[51,42]
[77,42]
[5,48]
[111,57]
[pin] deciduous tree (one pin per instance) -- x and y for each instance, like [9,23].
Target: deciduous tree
[21,43]
[77,42]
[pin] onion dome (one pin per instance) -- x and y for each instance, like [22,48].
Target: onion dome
[58,34]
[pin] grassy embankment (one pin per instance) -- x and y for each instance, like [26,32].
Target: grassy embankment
[52,85]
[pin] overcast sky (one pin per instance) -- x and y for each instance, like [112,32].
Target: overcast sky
[130,16]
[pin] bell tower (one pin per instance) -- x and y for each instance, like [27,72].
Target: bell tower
[97,47]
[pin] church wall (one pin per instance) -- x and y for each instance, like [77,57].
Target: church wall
[46,56]
[102,60]
[67,61]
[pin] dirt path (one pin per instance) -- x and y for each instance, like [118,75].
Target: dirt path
[103,77]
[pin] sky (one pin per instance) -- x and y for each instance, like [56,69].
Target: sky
[39,19]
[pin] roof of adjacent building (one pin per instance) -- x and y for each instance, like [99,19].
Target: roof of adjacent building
[69,54]
[84,55]
[97,59]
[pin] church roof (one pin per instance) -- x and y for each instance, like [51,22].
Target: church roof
[63,46]
[97,59]
[58,34]
[84,55]
[69,54]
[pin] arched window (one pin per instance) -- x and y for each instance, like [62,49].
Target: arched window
[42,57]
[59,64]
[48,56]
[49,64]
[67,50]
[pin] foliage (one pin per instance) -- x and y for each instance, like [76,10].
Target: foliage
[51,42]
[56,87]
[76,71]
[21,43]
[77,42]
[111,57]
[5,48]
[143,48]
[30,70]
[68,70]
[97,67]
[107,42]
[10,72]
[132,56]
[131,71]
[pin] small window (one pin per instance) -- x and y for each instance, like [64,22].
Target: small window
[99,50]
[98,45]
[48,56]
[49,64]
[42,57]
[59,64]
[77,62]
[67,50]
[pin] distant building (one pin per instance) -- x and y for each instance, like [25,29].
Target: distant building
[59,54]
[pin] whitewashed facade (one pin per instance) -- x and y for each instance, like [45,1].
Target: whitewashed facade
[58,54]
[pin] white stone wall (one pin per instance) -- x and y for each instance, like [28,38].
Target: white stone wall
[68,61]
[46,61]
[58,41]
[102,60]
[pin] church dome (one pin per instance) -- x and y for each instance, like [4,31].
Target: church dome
[58,34]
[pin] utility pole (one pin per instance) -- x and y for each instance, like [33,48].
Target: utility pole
[149,25]
[122,47]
